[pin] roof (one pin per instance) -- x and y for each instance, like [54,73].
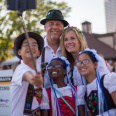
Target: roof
[100,47]
[103,35]
[11,61]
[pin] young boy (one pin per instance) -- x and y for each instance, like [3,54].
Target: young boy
[26,83]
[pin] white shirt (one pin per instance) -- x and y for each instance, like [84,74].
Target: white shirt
[49,54]
[64,91]
[18,91]
[110,84]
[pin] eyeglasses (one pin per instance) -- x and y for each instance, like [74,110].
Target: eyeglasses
[85,62]
[56,66]
[34,45]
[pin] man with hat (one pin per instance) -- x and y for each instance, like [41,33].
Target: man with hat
[54,24]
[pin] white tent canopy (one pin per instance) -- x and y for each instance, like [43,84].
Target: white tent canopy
[11,61]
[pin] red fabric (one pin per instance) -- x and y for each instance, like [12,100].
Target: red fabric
[38,94]
[63,106]
[50,103]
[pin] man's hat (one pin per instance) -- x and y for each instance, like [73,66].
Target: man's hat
[54,14]
[18,42]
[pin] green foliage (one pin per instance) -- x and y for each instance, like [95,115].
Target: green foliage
[11,23]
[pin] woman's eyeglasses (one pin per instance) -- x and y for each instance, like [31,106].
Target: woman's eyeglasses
[56,66]
[85,62]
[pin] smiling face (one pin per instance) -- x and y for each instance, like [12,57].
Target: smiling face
[56,70]
[24,52]
[54,29]
[87,66]
[72,43]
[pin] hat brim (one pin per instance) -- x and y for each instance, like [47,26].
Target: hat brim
[65,23]
[20,38]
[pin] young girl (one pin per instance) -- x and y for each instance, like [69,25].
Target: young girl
[100,90]
[62,99]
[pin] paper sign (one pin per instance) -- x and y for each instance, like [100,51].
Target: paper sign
[5,78]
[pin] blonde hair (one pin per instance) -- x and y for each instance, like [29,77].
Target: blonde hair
[80,37]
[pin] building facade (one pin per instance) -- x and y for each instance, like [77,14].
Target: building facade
[110,13]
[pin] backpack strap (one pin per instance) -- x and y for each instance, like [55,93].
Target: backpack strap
[108,97]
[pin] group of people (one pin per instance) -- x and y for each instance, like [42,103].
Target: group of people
[71,79]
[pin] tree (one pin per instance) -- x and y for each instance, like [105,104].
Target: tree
[11,24]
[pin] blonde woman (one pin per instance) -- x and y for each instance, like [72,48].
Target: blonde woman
[72,42]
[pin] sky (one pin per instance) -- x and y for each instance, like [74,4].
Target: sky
[87,10]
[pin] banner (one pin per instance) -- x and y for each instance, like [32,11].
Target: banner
[5,78]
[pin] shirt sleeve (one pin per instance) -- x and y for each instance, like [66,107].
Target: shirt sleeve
[80,95]
[110,82]
[45,100]
[18,74]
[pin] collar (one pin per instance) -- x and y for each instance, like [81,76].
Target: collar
[61,88]
[46,44]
